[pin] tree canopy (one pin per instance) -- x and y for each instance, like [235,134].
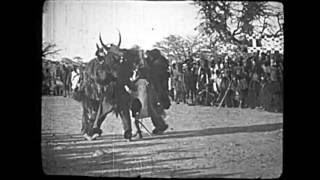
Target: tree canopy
[223,29]
[49,49]
[230,21]
[179,48]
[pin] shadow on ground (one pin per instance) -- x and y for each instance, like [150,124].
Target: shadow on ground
[219,130]
[75,156]
[117,161]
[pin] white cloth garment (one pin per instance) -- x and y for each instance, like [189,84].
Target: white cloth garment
[74,80]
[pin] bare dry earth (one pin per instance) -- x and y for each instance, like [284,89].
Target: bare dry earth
[201,142]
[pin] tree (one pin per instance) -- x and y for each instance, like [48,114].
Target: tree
[230,21]
[171,46]
[49,49]
[179,48]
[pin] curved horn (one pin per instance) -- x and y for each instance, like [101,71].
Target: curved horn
[97,46]
[103,45]
[119,38]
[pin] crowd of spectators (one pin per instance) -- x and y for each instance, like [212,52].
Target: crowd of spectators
[250,81]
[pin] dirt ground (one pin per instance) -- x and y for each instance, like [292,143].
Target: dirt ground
[200,142]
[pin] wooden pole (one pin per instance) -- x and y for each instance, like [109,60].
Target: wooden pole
[144,127]
[225,94]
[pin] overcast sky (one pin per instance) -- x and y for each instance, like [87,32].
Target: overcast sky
[74,25]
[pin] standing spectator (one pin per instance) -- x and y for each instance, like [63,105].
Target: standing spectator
[170,84]
[244,90]
[253,91]
[237,69]
[232,95]
[46,82]
[216,84]
[173,80]
[187,76]
[53,70]
[193,83]
[275,89]
[179,87]
[75,76]
[66,79]
[278,64]
[213,89]
[203,81]
[58,86]
[225,82]
[59,70]
[264,95]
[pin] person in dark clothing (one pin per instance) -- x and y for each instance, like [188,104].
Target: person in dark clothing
[231,95]
[179,83]
[264,95]
[203,81]
[193,84]
[253,91]
[275,90]
[225,82]
[242,87]
[188,83]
